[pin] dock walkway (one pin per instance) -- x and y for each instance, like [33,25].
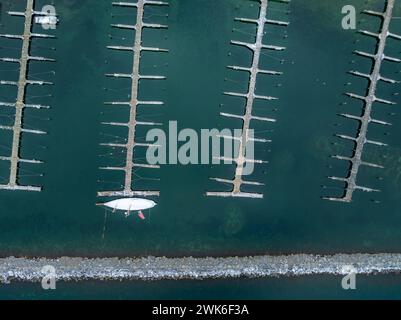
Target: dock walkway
[362,139]
[250,97]
[134,103]
[20,103]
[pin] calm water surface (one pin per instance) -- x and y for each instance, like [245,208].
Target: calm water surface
[63,219]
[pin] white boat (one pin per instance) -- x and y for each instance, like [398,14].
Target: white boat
[130,204]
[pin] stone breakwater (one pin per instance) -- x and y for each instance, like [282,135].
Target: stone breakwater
[158,268]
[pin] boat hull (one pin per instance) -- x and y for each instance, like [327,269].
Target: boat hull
[130,204]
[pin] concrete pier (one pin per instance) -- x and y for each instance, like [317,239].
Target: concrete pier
[134,103]
[361,140]
[250,97]
[20,104]
[160,268]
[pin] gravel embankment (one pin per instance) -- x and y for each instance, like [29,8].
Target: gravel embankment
[152,268]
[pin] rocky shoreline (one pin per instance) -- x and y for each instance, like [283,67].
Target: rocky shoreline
[159,268]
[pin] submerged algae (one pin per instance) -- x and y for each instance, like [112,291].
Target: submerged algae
[234,220]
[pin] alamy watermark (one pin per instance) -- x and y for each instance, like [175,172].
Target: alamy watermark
[349,20]
[348,282]
[49,279]
[48,17]
[211,146]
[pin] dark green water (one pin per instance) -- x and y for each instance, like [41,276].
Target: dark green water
[63,219]
[371,287]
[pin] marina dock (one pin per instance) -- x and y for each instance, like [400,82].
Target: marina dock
[134,103]
[362,139]
[20,104]
[250,97]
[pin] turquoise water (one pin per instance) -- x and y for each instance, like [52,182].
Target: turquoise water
[63,219]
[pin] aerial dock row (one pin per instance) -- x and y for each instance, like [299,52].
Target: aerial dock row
[362,139]
[134,103]
[20,103]
[250,97]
